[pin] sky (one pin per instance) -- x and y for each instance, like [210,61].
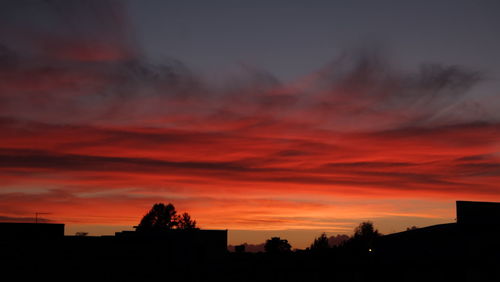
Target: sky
[266,118]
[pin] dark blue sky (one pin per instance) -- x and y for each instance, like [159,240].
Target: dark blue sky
[293,38]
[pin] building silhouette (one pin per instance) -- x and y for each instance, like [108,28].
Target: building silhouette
[10,231]
[29,250]
[478,213]
[467,250]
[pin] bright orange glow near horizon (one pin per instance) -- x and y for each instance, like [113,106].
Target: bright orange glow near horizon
[93,136]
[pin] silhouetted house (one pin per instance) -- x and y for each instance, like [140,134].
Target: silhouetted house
[478,213]
[30,231]
[473,239]
[27,240]
[20,242]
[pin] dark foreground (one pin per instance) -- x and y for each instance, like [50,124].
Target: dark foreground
[86,261]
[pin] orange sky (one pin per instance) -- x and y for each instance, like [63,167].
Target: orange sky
[263,175]
[93,135]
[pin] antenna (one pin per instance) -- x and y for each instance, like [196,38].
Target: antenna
[36,216]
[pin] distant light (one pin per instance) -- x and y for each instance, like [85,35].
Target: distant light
[370,250]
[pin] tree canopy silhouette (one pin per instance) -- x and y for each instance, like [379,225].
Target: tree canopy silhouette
[366,231]
[185,222]
[362,240]
[320,243]
[164,217]
[276,245]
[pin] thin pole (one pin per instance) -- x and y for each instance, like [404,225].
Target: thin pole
[36,216]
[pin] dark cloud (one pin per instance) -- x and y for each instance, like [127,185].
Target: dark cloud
[67,30]
[95,73]
[24,219]
[369,165]
[20,158]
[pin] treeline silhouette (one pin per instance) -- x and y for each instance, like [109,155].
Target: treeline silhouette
[160,249]
[163,217]
[362,239]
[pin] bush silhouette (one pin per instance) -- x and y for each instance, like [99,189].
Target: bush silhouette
[320,243]
[276,245]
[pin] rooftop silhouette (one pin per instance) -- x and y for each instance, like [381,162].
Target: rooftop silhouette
[466,250]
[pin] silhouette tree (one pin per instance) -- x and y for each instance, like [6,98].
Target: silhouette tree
[363,238]
[320,243]
[276,245]
[365,230]
[160,217]
[185,222]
